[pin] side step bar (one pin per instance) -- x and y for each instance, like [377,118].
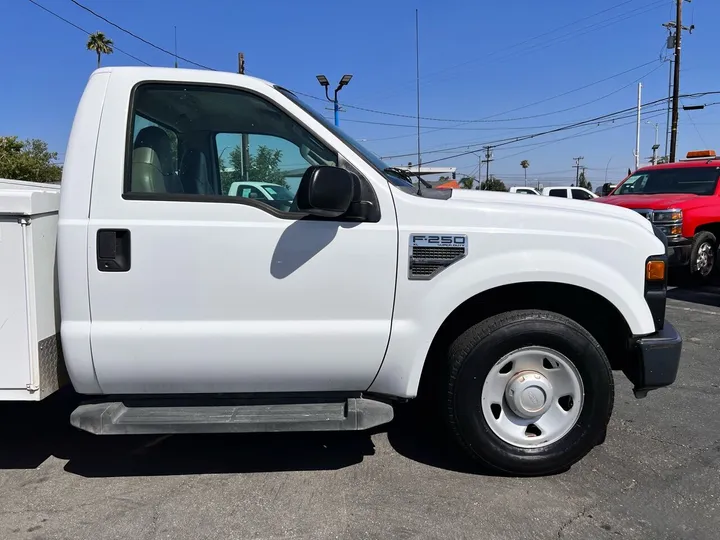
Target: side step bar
[118,418]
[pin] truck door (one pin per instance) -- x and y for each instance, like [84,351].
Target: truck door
[195,290]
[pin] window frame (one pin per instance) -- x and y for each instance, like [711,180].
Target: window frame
[129,195]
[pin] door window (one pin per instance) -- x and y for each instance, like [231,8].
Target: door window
[581,194]
[231,145]
[558,192]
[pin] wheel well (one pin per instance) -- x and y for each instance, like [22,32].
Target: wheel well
[592,311]
[713,228]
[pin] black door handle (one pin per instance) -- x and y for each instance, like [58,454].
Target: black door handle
[113,250]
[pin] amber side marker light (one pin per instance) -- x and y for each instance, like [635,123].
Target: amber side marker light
[655,270]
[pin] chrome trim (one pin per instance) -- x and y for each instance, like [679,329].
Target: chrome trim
[649,214]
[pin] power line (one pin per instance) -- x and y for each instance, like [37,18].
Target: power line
[696,129]
[551,113]
[492,119]
[531,136]
[139,37]
[610,117]
[118,49]
[591,131]
[567,35]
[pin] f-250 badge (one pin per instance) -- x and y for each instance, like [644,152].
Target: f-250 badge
[438,240]
[430,254]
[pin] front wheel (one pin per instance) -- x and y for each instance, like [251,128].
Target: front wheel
[529,392]
[702,256]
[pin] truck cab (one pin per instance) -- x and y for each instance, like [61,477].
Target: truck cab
[683,200]
[186,306]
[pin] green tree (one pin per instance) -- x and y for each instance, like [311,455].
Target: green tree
[99,43]
[493,184]
[28,160]
[583,182]
[264,166]
[467,182]
[525,164]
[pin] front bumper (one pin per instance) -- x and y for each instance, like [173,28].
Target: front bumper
[655,360]
[679,253]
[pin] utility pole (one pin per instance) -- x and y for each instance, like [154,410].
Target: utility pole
[677,25]
[577,168]
[637,127]
[175,28]
[669,99]
[487,160]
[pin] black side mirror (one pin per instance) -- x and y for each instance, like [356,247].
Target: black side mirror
[325,191]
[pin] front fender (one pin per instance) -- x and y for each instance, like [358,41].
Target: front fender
[422,306]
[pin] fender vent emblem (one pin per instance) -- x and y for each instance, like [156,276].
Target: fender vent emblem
[430,254]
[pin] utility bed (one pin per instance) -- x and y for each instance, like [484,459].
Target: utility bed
[31,365]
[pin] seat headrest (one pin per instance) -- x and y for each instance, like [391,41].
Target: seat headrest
[156,139]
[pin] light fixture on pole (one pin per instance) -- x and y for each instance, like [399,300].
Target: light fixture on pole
[322,79]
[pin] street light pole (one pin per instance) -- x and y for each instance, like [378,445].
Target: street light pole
[322,79]
[656,145]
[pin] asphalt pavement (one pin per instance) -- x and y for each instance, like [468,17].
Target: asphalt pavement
[657,476]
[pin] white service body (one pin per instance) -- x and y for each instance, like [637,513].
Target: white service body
[30,364]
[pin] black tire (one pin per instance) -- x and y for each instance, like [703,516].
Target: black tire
[477,350]
[700,240]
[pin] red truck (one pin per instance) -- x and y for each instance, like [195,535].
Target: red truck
[683,200]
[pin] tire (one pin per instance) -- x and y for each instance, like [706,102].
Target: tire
[474,358]
[704,248]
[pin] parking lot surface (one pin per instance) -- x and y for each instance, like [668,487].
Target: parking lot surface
[656,477]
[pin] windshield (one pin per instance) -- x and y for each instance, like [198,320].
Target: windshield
[691,180]
[394,178]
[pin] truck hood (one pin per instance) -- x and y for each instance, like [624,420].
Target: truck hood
[653,202]
[570,206]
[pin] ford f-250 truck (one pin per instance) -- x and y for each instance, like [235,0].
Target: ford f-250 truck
[183,309]
[683,200]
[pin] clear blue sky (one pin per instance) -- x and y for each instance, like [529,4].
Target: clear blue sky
[477,59]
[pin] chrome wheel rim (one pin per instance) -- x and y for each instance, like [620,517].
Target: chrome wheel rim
[705,259]
[532,397]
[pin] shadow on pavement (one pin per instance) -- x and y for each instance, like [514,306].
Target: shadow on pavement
[415,437]
[706,295]
[41,430]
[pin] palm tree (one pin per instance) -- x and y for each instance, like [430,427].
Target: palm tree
[525,164]
[100,44]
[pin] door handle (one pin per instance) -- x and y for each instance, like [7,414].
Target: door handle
[113,250]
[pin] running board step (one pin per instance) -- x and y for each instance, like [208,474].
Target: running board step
[117,418]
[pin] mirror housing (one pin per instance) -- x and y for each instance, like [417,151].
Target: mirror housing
[325,191]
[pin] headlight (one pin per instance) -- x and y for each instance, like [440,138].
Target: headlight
[665,216]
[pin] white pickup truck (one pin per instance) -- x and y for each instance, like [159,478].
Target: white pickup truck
[175,307]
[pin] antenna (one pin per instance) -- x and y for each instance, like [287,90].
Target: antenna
[417,69]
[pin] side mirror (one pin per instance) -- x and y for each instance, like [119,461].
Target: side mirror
[325,191]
